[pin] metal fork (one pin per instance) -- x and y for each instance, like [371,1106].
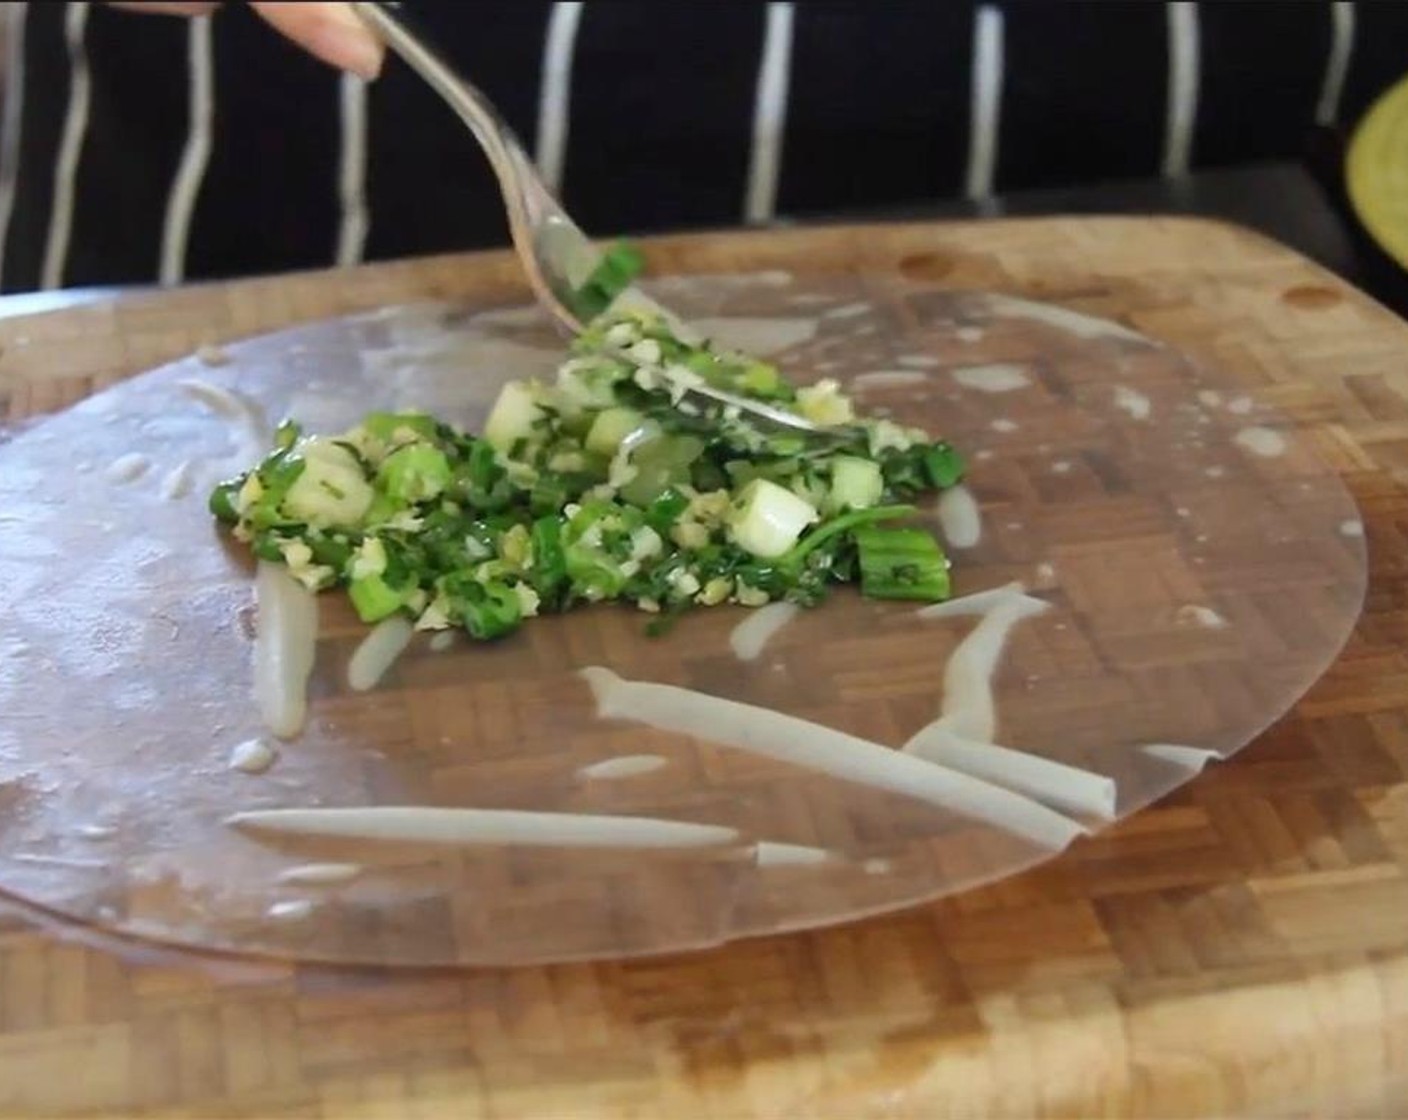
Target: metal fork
[557,256]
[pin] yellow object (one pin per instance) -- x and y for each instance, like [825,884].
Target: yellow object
[1376,172]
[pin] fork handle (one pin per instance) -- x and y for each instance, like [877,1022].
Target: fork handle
[409,39]
[523,191]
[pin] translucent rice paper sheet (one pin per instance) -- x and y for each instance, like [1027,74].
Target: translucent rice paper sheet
[1202,567]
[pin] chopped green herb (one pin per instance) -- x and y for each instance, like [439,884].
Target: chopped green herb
[619,266]
[596,487]
[900,564]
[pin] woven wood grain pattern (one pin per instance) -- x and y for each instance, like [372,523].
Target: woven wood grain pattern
[1238,947]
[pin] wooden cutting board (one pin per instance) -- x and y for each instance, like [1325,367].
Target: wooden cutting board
[1237,948]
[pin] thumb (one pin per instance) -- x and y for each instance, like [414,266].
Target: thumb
[331,32]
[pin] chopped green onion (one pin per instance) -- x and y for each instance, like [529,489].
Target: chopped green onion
[414,473]
[618,268]
[901,564]
[374,598]
[943,465]
[665,510]
[286,435]
[549,572]
[222,501]
[487,610]
[846,523]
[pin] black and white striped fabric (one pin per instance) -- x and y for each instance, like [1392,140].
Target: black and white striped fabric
[139,149]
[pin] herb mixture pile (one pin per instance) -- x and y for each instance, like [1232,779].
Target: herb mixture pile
[612,483]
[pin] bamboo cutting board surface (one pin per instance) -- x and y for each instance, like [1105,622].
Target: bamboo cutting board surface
[1237,948]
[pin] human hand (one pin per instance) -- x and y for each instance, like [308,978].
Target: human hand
[331,32]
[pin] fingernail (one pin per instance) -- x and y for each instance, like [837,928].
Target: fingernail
[346,41]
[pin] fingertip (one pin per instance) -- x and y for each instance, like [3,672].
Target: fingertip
[358,54]
[345,41]
[330,32]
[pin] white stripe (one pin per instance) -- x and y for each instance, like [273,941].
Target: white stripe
[1337,63]
[13,123]
[185,187]
[51,276]
[985,120]
[769,115]
[352,173]
[1182,87]
[555,90]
